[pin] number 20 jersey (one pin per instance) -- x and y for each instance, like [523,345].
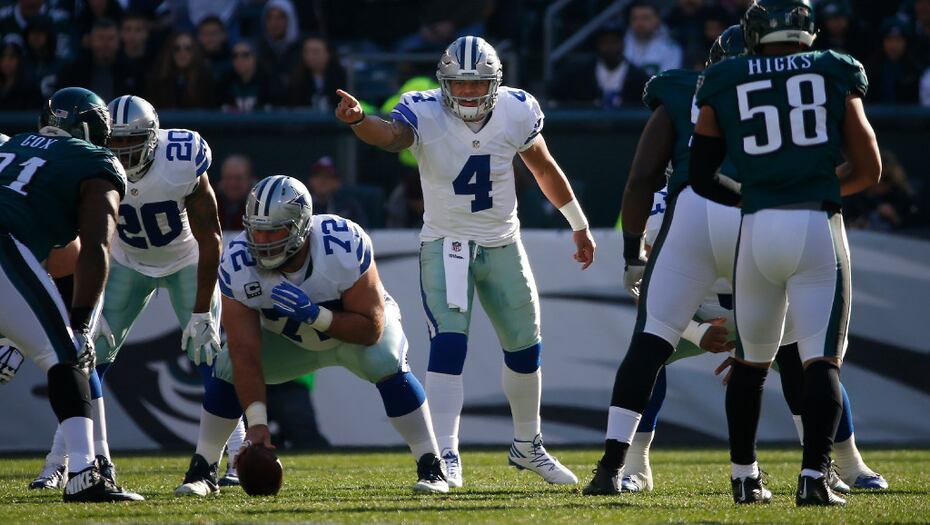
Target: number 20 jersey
[467,177]
[154,237]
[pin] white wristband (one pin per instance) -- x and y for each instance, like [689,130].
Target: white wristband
[695,332]
[257,414]
[574,215]
[323,320]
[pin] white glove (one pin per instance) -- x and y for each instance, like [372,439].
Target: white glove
[633,275]
[102,329]
[86,356]
[201,339]
[10,361]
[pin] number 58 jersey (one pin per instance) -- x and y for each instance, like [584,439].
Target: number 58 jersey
[467,176]
[154,237]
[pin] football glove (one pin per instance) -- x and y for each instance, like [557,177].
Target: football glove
[10,361]
[86,356]
[201,339]
[290,301]
[633,271]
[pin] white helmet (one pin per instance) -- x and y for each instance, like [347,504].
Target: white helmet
[469,58]
[132,116]
[277,202]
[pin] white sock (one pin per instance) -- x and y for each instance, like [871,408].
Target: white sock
[524,392]
[637,456]
[849,462]
[811,473]
[744,471]
[800,428]
[99,416]
[214,431]
[446,394]
[235,442]
[622,424]
[78,435]
[417,430]
[59,453]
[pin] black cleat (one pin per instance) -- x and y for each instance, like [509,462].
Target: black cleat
[88,486]
[200,479]
[606,482]
[816,492]
[430,474]
[51,477]
[751,490]
[107,468]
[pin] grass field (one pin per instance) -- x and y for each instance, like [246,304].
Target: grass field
[347,487]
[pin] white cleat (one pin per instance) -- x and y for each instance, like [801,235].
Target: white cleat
[200,479]
[531,455]
[638,482]
[431,478]
[53,476]
[453,462]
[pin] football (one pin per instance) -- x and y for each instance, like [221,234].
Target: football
[260,471]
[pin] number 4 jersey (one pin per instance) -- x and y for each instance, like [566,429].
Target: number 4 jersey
[155,238]
[467,176]
[782,118]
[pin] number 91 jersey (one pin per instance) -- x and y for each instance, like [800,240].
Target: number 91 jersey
[340,253]
[155,238]
[467,176]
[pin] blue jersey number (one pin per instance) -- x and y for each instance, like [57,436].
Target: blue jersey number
[180,145]
[242,257]
[332,225]
[421,97]
[291,326]
[131,226]
[479,168]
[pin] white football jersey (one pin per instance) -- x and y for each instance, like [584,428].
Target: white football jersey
[154,237]
[467,176]
[340,253]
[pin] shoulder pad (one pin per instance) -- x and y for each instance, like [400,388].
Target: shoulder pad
[715,79]
[852,72]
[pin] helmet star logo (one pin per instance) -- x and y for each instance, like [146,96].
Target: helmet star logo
[299,200]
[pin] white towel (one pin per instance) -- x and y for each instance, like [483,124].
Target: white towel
[455,257]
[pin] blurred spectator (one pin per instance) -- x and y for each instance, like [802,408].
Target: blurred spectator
[236,179]
[181,80]
[13,19]
[325,186]
[41,62]
[90,11]
[405,205]
[610,82]
[245,87]
[17,91]
[922,31]
[647,43]
[222,10]
[442,21]
[715,23]
[316,77]
[889,205]
[692,23]
[96,68]
[278,47]
[894,74]
[214,40]
[135,57]
[839,30]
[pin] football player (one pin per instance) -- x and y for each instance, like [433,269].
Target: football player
[785,116]
[168,237]
[56,185]
[302,292]
[464,136]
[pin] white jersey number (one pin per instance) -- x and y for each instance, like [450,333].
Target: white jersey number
[30,167]
[477,167]
[801,135]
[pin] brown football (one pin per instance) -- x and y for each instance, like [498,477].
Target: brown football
[260,471]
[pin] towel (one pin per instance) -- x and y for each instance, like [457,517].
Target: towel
[455,257]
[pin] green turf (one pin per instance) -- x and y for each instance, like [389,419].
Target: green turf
[691,486]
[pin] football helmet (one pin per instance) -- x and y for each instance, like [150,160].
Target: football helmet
[469,58]
[78,112]
[274,203]
[771,21]
[729,44]
[134,117]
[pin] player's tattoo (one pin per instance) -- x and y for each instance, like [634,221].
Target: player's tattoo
[402,137]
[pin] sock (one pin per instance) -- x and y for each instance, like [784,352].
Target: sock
[214,430]
[799,426]
[744,405]
[234,442]
[822,408]
[99,417]
[446,395]
[744,471]
[78,433]
[849,462]
[811,473]
[791,372]
[637,456]
[59,453]
[621,426]
[416,429]
[651,414]
[845,427]
[523,391]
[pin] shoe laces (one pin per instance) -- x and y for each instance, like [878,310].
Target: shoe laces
[540,457]
[452,463]
[52,470]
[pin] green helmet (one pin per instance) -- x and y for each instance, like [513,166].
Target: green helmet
[729,44]
[80,113]
[771,21]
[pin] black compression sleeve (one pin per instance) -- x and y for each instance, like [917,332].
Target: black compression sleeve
[707,153]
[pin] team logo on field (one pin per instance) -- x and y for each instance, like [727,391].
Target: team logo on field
[456,246]
[252,289]
[476,144]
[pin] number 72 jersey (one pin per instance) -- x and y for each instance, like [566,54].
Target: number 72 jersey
[467,176]
[154,236]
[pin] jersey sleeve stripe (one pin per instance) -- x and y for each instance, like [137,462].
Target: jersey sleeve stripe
[202,154]
[224,276]
[406,114]
[366,261]
[225,290]
[531,137]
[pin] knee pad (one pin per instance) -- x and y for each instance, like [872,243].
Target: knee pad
[68,391]
[219,399]
[401,394]
[447,353]
[524,361]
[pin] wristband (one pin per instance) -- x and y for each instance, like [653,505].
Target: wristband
[632,246]
[323,320]
[359,121]
[574,215]
[695,332]
[257,414]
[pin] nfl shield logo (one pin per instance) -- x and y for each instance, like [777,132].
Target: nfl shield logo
[476,144]
[456,246]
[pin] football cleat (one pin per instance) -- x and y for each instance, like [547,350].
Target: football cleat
[51,477]
[873,481]
[637,482]
[532,455]
[816,492]
[88,486]
[605,482]
[230,479]
[751,490]
[453,462]
[835,482]
[430,475]
[107,468]
[200,479]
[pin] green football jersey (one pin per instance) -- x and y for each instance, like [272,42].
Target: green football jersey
[40,182]
[674,89]
[781,117]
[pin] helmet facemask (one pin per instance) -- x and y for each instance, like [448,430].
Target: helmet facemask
[271,255]
[469,59]
[135,155]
